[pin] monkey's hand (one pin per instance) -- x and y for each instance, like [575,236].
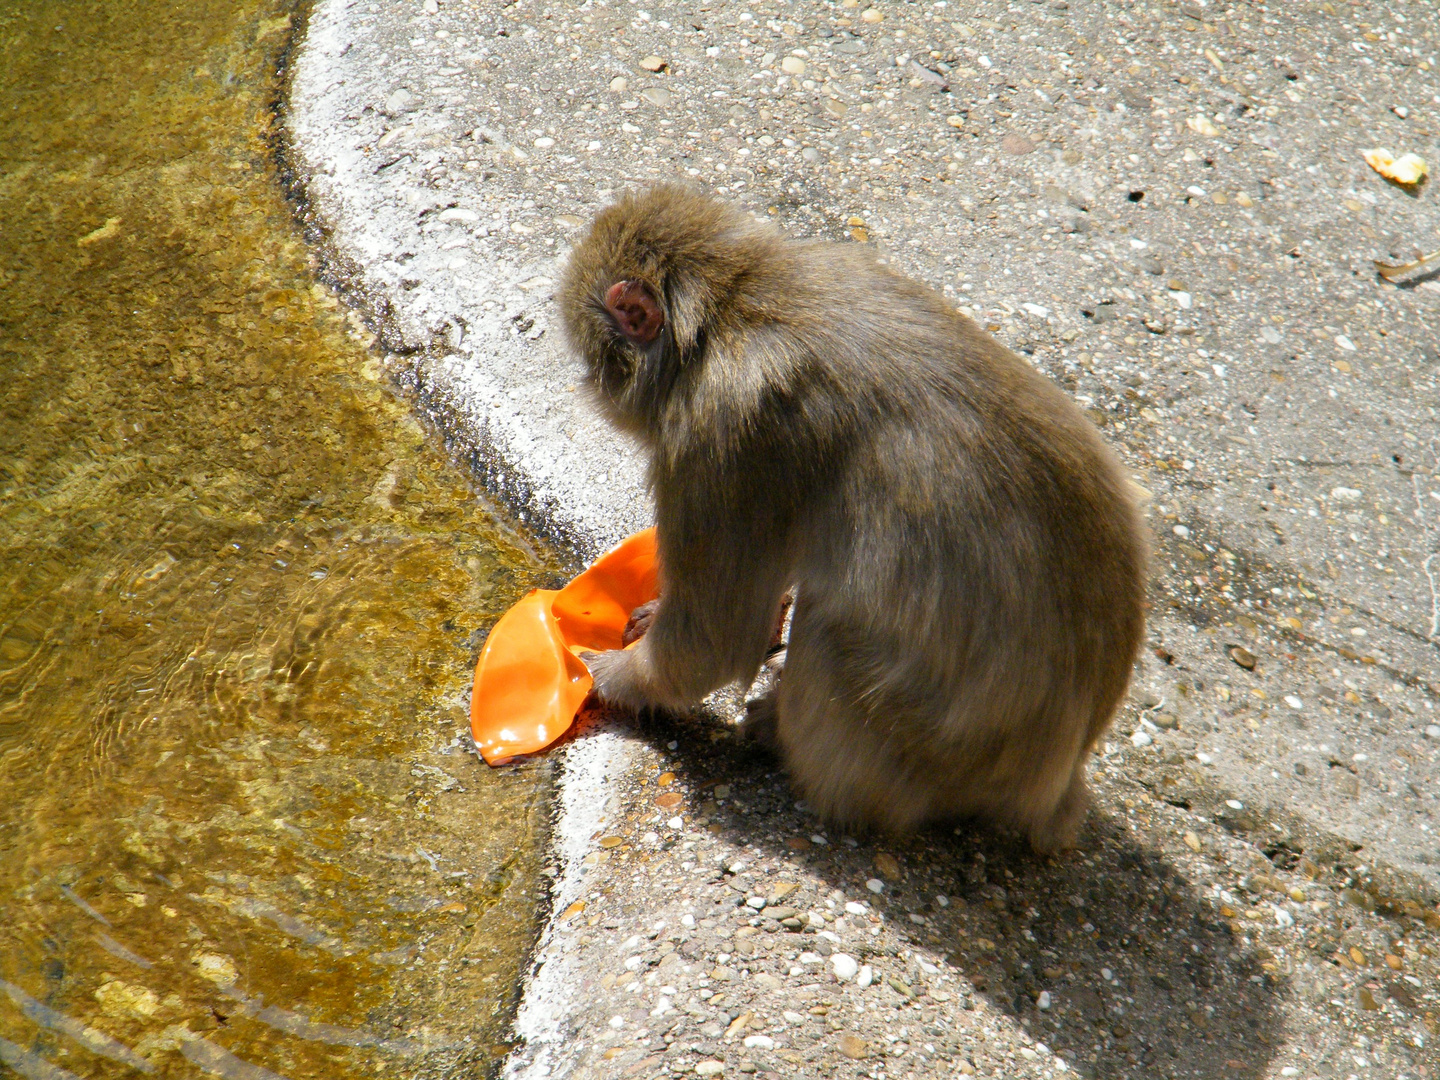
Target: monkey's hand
[623,678]
[639,621]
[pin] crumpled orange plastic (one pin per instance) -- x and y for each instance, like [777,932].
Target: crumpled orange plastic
[530,680]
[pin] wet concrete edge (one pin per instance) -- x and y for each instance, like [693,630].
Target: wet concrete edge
[586,794]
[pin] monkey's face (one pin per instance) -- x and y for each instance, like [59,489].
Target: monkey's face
[613,307]
[618,325]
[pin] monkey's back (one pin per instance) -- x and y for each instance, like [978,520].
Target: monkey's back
[973,560]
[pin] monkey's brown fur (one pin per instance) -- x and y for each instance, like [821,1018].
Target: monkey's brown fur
[967,558]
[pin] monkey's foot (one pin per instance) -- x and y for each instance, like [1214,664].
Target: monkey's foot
[761,723]
[1062,829]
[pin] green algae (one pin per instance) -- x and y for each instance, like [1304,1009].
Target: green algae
[240,597]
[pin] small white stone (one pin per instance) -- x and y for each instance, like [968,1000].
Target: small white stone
[1283,918]
[687,920]
[1234,804]
[792,65]
[846,967]
[852,908]
[544,142]
[942,900]
[1344,343]
[1294,702]
[1106,974]
[866,976]
[1043,1001]
[1141,737]
[756,902]
[676,823]
[1432,731]
[617,1022]
[875,885]
[759,1042]
[811,958]
[709,1068]
[1289,1070]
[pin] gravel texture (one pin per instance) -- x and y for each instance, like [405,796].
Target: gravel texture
[1166,209]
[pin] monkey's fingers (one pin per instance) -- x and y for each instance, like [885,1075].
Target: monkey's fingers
[639,622]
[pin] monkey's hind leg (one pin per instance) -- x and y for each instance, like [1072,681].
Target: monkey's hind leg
[1059,829]
[852,765]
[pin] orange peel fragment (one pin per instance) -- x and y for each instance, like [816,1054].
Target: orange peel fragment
[530,681]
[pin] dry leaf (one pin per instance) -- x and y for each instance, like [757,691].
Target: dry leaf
[1408,169]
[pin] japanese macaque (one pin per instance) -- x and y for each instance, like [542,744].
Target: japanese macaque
[967,558]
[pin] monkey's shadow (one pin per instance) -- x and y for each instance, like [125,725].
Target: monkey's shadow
[1140,977]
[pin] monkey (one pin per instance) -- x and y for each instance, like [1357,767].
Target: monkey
[967,556]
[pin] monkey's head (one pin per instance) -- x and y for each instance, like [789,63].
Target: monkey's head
[647,283]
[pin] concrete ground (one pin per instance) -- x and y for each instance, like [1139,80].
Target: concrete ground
[1166,209]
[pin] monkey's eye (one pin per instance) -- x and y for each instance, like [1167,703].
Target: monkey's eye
[637,314]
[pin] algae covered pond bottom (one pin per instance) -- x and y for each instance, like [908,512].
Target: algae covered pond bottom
[240,595]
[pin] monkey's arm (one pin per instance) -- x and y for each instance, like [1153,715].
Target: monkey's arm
[725,573]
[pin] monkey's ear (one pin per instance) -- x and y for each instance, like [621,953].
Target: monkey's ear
[636,312]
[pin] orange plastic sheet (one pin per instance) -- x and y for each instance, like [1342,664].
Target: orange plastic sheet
[530,680]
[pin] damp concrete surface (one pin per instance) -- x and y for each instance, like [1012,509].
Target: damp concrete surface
[1165,208]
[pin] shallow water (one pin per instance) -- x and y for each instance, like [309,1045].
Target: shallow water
[240,594]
